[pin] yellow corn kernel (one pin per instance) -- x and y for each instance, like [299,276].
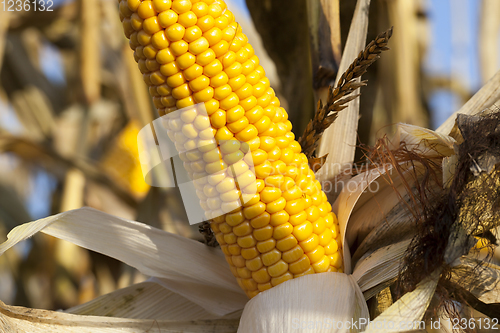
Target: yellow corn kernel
[200,9]
[133,4]
[279,217]
[264,286]
[310,244]
[243,229]
[286,243]
[322,265]
[188,19]
[332,247]
[282,231]
[249,253]
[263,233]
[246,241]
[238,261]
[316,254]
[310,270]
[266,246]
[261,220]
[293,255]
[336,260]
[271,257]
[254,264]
[270,194]
[303,231]
[181,6]
[261,276]
[278,269]
[192,33]
[300,266]
[244,273]
[206,23]
[298,218]
[162,5]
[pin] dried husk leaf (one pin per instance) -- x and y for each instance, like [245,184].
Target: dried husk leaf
[146,300]
[191,269]
[395,226]
[315,298]
[408,309]
[339,140]
[380,266]
[345,203]
[24,320]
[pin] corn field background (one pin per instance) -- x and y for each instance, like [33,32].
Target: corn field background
[72,102]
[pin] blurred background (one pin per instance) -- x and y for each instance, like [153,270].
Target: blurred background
[72,102]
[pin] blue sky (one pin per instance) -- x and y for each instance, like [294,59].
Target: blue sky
[453,51]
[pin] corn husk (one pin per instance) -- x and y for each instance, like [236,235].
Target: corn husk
[146,300]
[320,300]
[409,309]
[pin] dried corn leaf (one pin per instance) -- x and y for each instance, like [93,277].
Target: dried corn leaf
[345,203]
[339,140]
[409,309]
[380,266]
[193,270]
[397,226]
[146,300]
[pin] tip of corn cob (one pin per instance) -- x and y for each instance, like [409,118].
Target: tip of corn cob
[267,210]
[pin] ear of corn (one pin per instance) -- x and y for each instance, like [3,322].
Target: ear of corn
[268,212]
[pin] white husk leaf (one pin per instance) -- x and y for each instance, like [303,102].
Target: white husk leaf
[345,203]
[146,300]
[315,298]
[408,309]
[24,320]
[488,95]
[372,207]
[191,269]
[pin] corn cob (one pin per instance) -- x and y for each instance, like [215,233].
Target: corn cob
[273,222]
